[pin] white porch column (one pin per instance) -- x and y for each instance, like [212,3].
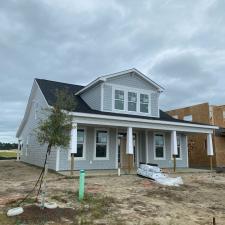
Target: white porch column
[130,147]
[209,145]
[73,148]
[174,143]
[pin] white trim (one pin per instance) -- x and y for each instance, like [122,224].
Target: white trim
[117,143]
[107,145]
[138,91]
[146,146]
[187,150]
[84,146]
[106,120]
[137,147]
[105,77]
[164,146]
[102,96]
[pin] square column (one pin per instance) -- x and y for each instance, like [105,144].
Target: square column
[209,145]
[73,144]
[174,143]
[130,147]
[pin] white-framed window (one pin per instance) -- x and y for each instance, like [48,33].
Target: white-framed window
[132,101]
[119,100]
[101,144]
[81,144]
[188,118]
[159,146]
[144,103]
[178,156]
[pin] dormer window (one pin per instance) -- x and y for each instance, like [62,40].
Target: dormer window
[132,101]
[144,103]
[119,99]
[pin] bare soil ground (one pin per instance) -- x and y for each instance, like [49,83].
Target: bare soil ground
[128,199]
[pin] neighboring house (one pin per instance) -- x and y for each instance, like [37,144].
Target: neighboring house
[206,114]
[117,123]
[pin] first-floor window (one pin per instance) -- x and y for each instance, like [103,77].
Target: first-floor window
[101,144]
[159,146]
[80,143]
[178,147]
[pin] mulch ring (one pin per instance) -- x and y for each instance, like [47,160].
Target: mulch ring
[34,214]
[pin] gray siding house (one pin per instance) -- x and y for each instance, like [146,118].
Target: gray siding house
[117,124]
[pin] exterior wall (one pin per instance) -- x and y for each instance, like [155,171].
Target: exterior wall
[132,80]
[107,97]
[197,143]
[168,161]
[34,153]
[155,104]
[204,113]
[93,97]
[89,162]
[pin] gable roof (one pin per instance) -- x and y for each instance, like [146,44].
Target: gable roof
[49,88]
[105,77]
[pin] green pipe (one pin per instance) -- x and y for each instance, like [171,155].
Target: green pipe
[81,185]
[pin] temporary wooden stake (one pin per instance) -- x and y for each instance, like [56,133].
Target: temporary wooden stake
[211,163]
[174,163]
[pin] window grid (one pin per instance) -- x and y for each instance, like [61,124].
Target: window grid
[132,101]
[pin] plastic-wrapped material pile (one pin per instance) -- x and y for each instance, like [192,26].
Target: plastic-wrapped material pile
[154,172]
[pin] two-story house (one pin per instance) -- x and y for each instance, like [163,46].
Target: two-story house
[206,114]
[117,122]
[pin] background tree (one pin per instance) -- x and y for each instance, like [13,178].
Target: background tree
[54,130]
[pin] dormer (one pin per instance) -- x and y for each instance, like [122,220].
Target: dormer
[127,92]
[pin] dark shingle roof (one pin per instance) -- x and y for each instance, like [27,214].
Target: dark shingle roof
[49,88]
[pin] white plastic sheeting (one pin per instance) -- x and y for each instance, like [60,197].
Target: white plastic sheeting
[154,172]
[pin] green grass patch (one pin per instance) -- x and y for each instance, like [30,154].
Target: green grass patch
[7,154]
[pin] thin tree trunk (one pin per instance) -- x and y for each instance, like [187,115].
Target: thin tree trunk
[44,182]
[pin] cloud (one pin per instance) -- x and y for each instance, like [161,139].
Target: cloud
[179,44]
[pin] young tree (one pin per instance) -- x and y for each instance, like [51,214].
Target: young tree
[54,130]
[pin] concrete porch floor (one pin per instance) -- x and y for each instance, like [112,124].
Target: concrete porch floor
[96,173]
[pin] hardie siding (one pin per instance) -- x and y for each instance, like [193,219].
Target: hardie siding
[35,152]
[107,97]
[155,104]
[168,162]
[89,162]
[131,80]
[93,97]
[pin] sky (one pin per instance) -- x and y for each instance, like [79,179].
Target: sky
[178,44]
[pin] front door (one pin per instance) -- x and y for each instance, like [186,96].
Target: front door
[127,160]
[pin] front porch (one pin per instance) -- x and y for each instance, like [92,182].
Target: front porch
[98,147]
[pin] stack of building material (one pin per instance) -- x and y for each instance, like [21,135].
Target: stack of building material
[155,173]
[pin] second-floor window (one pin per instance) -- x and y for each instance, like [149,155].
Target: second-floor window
[132,101]
[144,102]
[119,99]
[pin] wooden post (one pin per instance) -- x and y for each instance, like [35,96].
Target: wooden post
[72,164]
[211,162]
[174,163]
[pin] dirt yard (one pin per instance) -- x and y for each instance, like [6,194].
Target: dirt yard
[114,200]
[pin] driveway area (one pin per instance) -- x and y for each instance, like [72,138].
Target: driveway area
[128,199]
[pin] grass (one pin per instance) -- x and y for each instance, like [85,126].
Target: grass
[7,154]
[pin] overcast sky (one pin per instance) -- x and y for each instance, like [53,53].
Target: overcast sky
[179,44]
